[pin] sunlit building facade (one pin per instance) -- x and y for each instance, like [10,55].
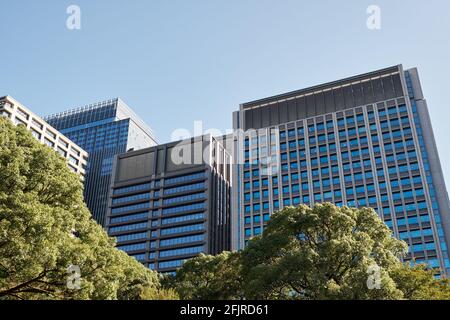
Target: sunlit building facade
[365,141]
[20,115]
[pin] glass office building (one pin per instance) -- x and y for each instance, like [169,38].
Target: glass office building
[163,211]
[104,130]
[365,141]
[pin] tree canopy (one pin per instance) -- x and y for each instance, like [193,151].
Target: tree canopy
[418,283]
[324,252]
[46,231]
[209,278]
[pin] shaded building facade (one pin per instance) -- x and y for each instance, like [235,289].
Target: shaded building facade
[171,202]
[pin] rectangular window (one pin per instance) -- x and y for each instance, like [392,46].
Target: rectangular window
[194,227]
[132,247]
[22,113]
[64,143]
[36,134]
[181,251]
[49,143]
[136,216]
[73,160]
[142,196]
[181,240]
[37,124]
[128,227]
[185,178]
[190,207]
[62,152]
[124,209]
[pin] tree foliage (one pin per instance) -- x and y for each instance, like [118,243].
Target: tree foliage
[208,277]
[45,228]
[159,293]
[418,283]
[324,252]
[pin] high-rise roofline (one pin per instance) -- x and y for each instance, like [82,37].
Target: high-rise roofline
[321,87]
[80,109]
[104,129]
[116,102]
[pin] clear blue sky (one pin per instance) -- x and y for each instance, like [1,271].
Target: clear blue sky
[175,62]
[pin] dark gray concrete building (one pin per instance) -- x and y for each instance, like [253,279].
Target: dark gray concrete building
[362,141]
[170,202]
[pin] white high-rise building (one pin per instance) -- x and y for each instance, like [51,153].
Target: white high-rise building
[42,131]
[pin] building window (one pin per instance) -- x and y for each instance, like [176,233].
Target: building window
[128,227]
[22,113]
[124,209]
[136,216]
[142,196]
[18,121]
[194,227]
[62,152]
[181,251]
[35,134]
[49,143]
[138,187]
[37,124]
[51,134]
[181,240]
[132,247]
[73,160]
[194,176]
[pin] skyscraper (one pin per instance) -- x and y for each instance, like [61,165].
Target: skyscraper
[20,115]
[103,129]
[361,141]
[171,202]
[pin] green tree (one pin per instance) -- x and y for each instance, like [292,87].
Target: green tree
[324,252]
[154,293]
[208,277]
[45,228]
[418,283]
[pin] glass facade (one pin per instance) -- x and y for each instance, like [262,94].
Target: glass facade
[366,156]
[180,230]
[103,129]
